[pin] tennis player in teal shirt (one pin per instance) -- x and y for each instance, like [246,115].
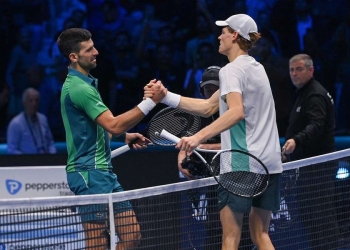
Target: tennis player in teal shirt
[89,126]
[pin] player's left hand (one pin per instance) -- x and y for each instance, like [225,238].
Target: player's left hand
[288,147]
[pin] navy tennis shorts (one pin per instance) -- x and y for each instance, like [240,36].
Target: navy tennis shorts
[268,200]
[96,181]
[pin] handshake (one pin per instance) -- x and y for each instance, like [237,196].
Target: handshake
[156,91]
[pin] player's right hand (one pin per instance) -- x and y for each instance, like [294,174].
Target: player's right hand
[155,90]
[148,90]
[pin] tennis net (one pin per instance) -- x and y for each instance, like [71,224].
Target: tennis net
[314,213]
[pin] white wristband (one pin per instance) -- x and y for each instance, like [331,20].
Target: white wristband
[146,105]
[171,99]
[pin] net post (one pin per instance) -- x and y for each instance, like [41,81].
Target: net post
[111,221]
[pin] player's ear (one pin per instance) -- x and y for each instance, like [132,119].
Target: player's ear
[73,57]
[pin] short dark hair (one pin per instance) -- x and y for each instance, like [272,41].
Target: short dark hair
[69,40]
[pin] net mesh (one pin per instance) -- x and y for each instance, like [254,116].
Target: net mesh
[314,214]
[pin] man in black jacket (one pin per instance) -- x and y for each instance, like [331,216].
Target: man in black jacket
[311,124]
[311,132]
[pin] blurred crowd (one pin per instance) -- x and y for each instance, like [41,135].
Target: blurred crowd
[173,41]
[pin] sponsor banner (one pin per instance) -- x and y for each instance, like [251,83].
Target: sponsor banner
[29,182]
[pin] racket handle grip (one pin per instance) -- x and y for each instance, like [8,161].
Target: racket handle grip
[169,136]
[120,151]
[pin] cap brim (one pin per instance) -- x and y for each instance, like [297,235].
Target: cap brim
[214,82]
[221,23]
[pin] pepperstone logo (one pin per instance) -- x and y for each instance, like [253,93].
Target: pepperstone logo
[13,187]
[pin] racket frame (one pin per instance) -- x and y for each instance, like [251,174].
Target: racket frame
[175,139]
[165,118]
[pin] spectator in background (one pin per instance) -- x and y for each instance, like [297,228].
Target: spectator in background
[163,68]
[4,100]
[340,47]
[227,7]
[205,56]
[147,38]
[35,75]
[77,19]
[204,34]
[296,27]
[125,69]
[22,56]
[166,35]
[264,25]
[310,133]
[49,97]
[29,131]
[62,10]
[108,19]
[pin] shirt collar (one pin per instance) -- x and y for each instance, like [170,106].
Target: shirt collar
[305,86]
[88,79]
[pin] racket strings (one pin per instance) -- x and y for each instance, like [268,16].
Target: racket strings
[240,173]
[176,122]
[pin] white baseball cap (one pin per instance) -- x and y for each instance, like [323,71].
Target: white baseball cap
[241,23]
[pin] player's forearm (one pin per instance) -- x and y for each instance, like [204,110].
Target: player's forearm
[117,125]
[196,106]
[127,121]
[199,107]
[224,122]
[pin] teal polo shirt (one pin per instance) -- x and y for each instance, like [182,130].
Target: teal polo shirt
[88,144]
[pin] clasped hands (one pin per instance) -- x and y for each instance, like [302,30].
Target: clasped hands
[155,90]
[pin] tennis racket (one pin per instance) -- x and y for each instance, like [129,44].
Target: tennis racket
[239,172]
[124,149]
[120,151]
[175,121]
[179,123]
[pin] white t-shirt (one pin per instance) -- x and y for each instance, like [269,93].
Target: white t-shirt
[257,133]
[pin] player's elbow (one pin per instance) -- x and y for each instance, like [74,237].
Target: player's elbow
[210,110]
[238,112]
[114,128]
[240,116]
[117,130]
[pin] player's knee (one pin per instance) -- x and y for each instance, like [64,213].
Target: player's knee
[132,240]
[136,239]
[262,241]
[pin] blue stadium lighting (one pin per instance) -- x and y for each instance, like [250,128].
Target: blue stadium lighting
[342,173]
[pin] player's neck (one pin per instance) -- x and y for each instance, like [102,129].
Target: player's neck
[234,53]
[77,67]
